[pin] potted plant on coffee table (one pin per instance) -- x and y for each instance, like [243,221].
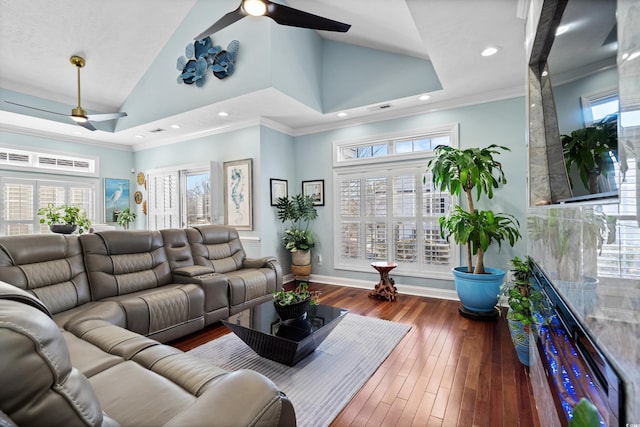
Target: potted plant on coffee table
[293,304]
[298,238]
[64,219]
[525,303]
[469,171]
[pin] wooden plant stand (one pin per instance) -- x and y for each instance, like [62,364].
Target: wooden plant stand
[386,288]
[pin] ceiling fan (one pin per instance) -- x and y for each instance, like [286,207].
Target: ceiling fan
[78,114]
[283,15]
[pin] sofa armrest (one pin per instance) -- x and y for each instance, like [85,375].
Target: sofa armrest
[259,262]
[215,286]
[192,271]
[242,397]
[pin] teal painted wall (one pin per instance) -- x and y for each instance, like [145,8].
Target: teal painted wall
[567,97]
[501,123]
[354,76]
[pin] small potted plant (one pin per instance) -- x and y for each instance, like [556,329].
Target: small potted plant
[291,305]
[126,217]
[469,171]
[526,304]
[64,219]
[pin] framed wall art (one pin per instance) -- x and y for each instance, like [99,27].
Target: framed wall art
[279,188]
[116,198]
[315,189]
[238,194]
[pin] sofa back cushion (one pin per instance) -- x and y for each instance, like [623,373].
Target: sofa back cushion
[120,262]
[177,247]
[217,246]
[39,385]
[49,266]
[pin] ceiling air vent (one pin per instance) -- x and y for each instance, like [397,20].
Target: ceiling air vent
[379,107]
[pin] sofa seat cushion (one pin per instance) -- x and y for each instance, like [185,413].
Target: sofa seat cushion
[110,311]
[155,310]
[249,284]
[88,358]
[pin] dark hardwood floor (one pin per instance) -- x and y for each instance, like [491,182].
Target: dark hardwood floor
[447,371]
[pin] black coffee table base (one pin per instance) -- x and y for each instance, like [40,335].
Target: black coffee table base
[289,342]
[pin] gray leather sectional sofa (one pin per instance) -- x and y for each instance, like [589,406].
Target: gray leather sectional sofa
[82,319]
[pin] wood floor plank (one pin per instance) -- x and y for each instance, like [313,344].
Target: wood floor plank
[447,370]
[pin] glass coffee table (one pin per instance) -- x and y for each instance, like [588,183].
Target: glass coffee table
[284,342]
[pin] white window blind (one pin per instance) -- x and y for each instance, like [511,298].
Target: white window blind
[164,202]
[21,199]
[390,215]
[621,257]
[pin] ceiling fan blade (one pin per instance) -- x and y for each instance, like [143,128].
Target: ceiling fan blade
[105,117]
[223,22]
[285,15]
[87,125]
[38,109]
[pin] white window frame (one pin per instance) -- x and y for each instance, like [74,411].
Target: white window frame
[32,162]
[35,182]
[594,98]
[174,213]
[391,165]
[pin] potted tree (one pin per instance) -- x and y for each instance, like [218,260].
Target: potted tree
[525,304]
[298,238]
[592,150]
[474,170]
[126,217]
[64,219]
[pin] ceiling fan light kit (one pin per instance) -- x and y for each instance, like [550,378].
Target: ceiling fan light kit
[254,7]
[283,15]
[78,114]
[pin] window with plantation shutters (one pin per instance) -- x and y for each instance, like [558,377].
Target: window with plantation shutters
[164,202]
[183,197]
[386,208]
[619,255]
[22,197]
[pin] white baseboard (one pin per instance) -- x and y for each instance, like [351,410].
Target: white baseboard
[447,294]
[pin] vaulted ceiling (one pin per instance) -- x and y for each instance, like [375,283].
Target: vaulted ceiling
[122,39]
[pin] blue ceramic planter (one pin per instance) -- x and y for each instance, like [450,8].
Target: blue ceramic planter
[520,336]
[478,292]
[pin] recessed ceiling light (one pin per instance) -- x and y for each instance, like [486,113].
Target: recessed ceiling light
[342,114]
[545,73]
[77,132]
[424,97]
[140,136]
[223,114]
[489,51]
[175,126]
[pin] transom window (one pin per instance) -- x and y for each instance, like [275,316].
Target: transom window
[387,208]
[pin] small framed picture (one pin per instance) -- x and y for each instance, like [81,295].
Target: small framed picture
[279,188]
[315,189]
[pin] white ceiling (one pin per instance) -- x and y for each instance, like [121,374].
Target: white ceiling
[121,38]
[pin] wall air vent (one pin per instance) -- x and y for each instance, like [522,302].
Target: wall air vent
[379,107]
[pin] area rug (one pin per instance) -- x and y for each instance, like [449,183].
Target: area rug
[322,384]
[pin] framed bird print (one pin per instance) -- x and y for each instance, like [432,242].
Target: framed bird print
[116,198]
